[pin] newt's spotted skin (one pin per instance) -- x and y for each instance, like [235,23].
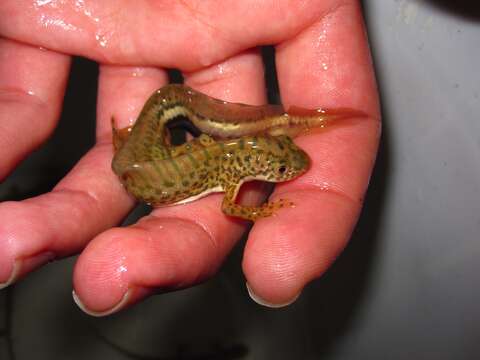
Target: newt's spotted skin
[238,143]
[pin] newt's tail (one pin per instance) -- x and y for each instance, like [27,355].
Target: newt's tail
[119,136]
[297,120]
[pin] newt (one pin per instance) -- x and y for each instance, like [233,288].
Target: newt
[236,143]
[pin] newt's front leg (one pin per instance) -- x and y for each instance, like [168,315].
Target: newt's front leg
[252,213]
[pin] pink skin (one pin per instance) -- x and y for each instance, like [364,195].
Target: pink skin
[322,61]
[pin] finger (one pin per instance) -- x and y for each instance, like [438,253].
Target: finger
[123,91]
[32,85]
[175,246]
[88,200]
[146,32]
[285,252]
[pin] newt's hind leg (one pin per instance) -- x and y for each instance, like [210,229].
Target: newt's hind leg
[229,207]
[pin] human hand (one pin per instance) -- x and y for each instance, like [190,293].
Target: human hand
[322,60]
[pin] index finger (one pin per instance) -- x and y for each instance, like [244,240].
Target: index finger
[327,65]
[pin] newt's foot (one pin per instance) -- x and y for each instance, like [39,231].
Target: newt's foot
[254,213]
[270,208]
[198,143]
[205,140]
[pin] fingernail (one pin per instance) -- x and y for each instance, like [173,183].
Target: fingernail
[120,305]
[263,302]
[17,264]
[25,265]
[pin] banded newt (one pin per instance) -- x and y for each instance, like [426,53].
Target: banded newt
[238,143]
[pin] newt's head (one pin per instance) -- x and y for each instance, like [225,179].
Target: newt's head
[281,160]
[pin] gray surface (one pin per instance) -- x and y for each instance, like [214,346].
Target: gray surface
[406,287]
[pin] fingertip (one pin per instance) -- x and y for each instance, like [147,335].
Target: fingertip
[100,313]
[287,251]
[124,265]
[277,304]
[100,278]
[131,296]
[11,275]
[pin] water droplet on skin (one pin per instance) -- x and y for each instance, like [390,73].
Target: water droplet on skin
[102,39]
[131,110]
[122,268]
[137,72]
[221,68]
[40,3]
[323,34]
[324,186]
[80,6]
[131,121]
[49,22]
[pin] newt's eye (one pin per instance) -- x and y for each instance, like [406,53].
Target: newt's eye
[282,169]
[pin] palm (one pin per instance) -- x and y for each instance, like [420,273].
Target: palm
[322,60]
